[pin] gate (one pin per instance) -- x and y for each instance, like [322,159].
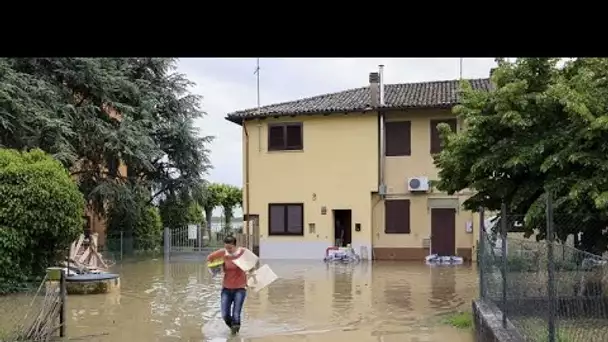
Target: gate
[185,240]
[193,240]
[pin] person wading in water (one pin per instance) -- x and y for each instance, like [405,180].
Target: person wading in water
[234,284]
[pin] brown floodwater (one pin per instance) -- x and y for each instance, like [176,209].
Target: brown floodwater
[311,301]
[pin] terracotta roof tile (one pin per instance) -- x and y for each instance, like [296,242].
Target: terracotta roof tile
[435,94]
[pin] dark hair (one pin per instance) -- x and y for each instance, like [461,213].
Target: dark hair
[231,240]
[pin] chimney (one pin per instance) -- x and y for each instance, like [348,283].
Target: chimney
[374,89]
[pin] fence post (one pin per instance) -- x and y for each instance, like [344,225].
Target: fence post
[122,242]
[503,235]
[199,237]
[62,308]
[550,267]
[481,253]
[166,244]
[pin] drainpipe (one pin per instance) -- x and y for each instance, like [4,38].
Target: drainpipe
[381,115]
[247,196]
[259,137]
[374,94]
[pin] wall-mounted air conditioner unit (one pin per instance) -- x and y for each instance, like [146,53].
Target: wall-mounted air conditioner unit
[418,184]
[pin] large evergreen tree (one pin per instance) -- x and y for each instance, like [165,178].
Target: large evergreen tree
[93,113]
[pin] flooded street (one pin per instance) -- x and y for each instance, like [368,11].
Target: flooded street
[311,301]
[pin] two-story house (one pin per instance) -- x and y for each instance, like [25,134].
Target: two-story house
[354,167]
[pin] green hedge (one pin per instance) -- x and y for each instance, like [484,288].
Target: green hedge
[41,213]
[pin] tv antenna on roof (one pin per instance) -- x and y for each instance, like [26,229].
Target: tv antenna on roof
[257,73]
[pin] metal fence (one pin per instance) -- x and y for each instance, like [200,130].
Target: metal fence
[549,290]
[221,227]
[117,246]
[120,245]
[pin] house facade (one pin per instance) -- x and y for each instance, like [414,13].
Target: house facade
[354,167]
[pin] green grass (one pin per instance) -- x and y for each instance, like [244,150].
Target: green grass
[535,329]
[460,320]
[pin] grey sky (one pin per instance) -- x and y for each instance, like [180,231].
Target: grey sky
[228,85]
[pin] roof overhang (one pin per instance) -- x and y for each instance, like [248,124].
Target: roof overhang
[240,119]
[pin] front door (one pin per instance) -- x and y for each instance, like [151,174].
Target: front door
[343,230]
[443,231]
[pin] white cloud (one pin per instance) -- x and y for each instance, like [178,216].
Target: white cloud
[228,85]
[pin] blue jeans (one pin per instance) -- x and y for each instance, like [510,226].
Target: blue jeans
[232,305]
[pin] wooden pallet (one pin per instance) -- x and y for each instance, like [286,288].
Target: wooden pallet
[84,255]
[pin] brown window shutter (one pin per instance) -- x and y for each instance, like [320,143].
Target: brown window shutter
[112,166]
[398,135]
[397,216]
[435,138]
[294,136]
[276,137]
[452,123]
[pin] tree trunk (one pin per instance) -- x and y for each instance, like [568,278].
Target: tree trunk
[208,217]
[228,219]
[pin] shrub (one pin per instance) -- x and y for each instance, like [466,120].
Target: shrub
[136,219]
[148,230]
[41,213]
[177,212]
[195,213]
[521,263]
[173,212]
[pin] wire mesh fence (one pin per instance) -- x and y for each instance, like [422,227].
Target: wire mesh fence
[548,289]
[33,313]
[117,246]
[15,306]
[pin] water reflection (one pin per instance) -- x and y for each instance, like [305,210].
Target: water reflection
[342,298]
[443,288]
[383,301]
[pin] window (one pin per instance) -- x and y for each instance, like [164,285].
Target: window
[87,226]
[286,219]
[285,137]
[435,138]
[112,165]
[398,135]
[397,216]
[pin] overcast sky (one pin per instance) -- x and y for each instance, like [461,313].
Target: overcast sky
[228,85]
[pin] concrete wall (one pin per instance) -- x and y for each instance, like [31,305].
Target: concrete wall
[489,326]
